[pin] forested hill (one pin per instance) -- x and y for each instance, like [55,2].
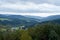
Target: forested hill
[27,21]
[17,20]
[45,30]
[56,21]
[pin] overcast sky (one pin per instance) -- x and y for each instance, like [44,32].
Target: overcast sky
[30,7]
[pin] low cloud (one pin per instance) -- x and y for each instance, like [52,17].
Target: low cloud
[30,8]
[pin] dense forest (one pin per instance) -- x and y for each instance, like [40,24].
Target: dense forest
[16,27]
[45,31]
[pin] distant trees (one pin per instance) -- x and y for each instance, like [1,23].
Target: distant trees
[46,31]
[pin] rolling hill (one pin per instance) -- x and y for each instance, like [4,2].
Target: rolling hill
[27,21]
[50,18]
[16,20]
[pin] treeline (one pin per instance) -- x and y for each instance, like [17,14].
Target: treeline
[46,31]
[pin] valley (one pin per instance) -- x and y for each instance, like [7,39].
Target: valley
[18,27]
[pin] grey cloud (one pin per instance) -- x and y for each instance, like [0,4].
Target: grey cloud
[9,1]
[55,2]
[27,11]
[18,11]
[36,1]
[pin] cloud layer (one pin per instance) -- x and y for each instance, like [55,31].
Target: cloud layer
[30,6]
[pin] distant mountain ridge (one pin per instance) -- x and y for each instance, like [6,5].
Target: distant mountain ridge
[27,21]
[49,18]
[16,20]
[36,17]
[56,21]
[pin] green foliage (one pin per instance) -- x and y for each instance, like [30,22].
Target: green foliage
[25,35]
[45,31]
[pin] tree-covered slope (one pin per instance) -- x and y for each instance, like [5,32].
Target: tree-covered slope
[16,20]
[56,21]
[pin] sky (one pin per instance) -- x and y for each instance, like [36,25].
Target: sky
[41,8]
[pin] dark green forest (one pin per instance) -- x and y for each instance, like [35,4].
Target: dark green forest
[44,31]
